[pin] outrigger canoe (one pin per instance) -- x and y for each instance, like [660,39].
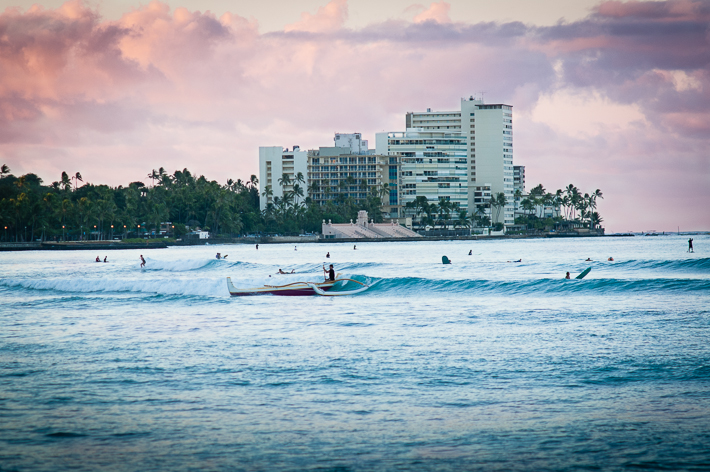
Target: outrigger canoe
[297,289]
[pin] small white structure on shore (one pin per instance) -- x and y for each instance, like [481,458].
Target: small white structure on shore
[362,229]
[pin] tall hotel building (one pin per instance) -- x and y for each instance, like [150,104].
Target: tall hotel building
[432,164]
[485,131]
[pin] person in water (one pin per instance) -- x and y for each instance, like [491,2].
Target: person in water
[690,245]
[218,256]
[281,271]
[354,247]
[97,259]
[588,259]
[142,261]
[470,253]
[327,256]
[295,248]
[329,273]
[611,259]
[257,247]
[567,276]
[106,259]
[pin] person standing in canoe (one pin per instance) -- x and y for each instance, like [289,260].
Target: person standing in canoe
[329,274]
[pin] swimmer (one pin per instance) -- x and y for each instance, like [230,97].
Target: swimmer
[611,259]
[281,271]
[106,259]
[567,276]
[142,261]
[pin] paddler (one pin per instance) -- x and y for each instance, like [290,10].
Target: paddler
[329,274]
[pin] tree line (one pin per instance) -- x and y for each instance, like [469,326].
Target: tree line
[71,209]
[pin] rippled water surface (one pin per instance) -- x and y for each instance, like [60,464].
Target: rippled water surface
[480,365]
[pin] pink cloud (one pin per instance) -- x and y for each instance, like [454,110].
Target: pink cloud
[437,11]
[328,19]
[114,99]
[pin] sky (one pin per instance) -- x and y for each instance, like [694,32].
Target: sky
[606,95]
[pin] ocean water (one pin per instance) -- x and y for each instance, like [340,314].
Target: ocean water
[483,364]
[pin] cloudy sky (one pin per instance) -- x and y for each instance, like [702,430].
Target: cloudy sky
[610,95]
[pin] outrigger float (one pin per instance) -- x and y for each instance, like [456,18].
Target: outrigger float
[298,289]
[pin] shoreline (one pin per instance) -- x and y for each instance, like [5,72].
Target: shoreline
[116,245]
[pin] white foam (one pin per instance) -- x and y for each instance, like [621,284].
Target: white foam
[209,287]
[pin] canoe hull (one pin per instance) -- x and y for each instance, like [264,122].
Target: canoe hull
[299,289]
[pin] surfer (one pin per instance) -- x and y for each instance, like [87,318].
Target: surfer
[329,273]
[106,259]
[281,271]
[295,248]
[354,247]
[257,247]
[470,253]
[611,259]
[142,261]
[690,245]
[97,259]
[588,260]
[218,256]
[567,276]
[327,256]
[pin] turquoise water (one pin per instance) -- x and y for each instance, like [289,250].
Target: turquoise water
[478,365]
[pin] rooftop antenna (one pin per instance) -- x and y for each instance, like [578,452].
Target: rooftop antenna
[482,95]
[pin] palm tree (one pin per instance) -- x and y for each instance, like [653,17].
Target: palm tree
[153,175]
[76,178]
[4,170]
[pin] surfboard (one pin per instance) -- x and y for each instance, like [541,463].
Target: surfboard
[584,273]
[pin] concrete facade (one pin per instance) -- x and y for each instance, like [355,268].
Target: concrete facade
[274,162]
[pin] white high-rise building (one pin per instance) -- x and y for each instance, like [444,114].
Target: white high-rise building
[489,132]
[274,163]
[433,164]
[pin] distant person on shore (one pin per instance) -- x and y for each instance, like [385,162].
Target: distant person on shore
[142,261]
[97,259]
[106,259]
[329,273]
[327,256]
[567,276]
[690,245]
